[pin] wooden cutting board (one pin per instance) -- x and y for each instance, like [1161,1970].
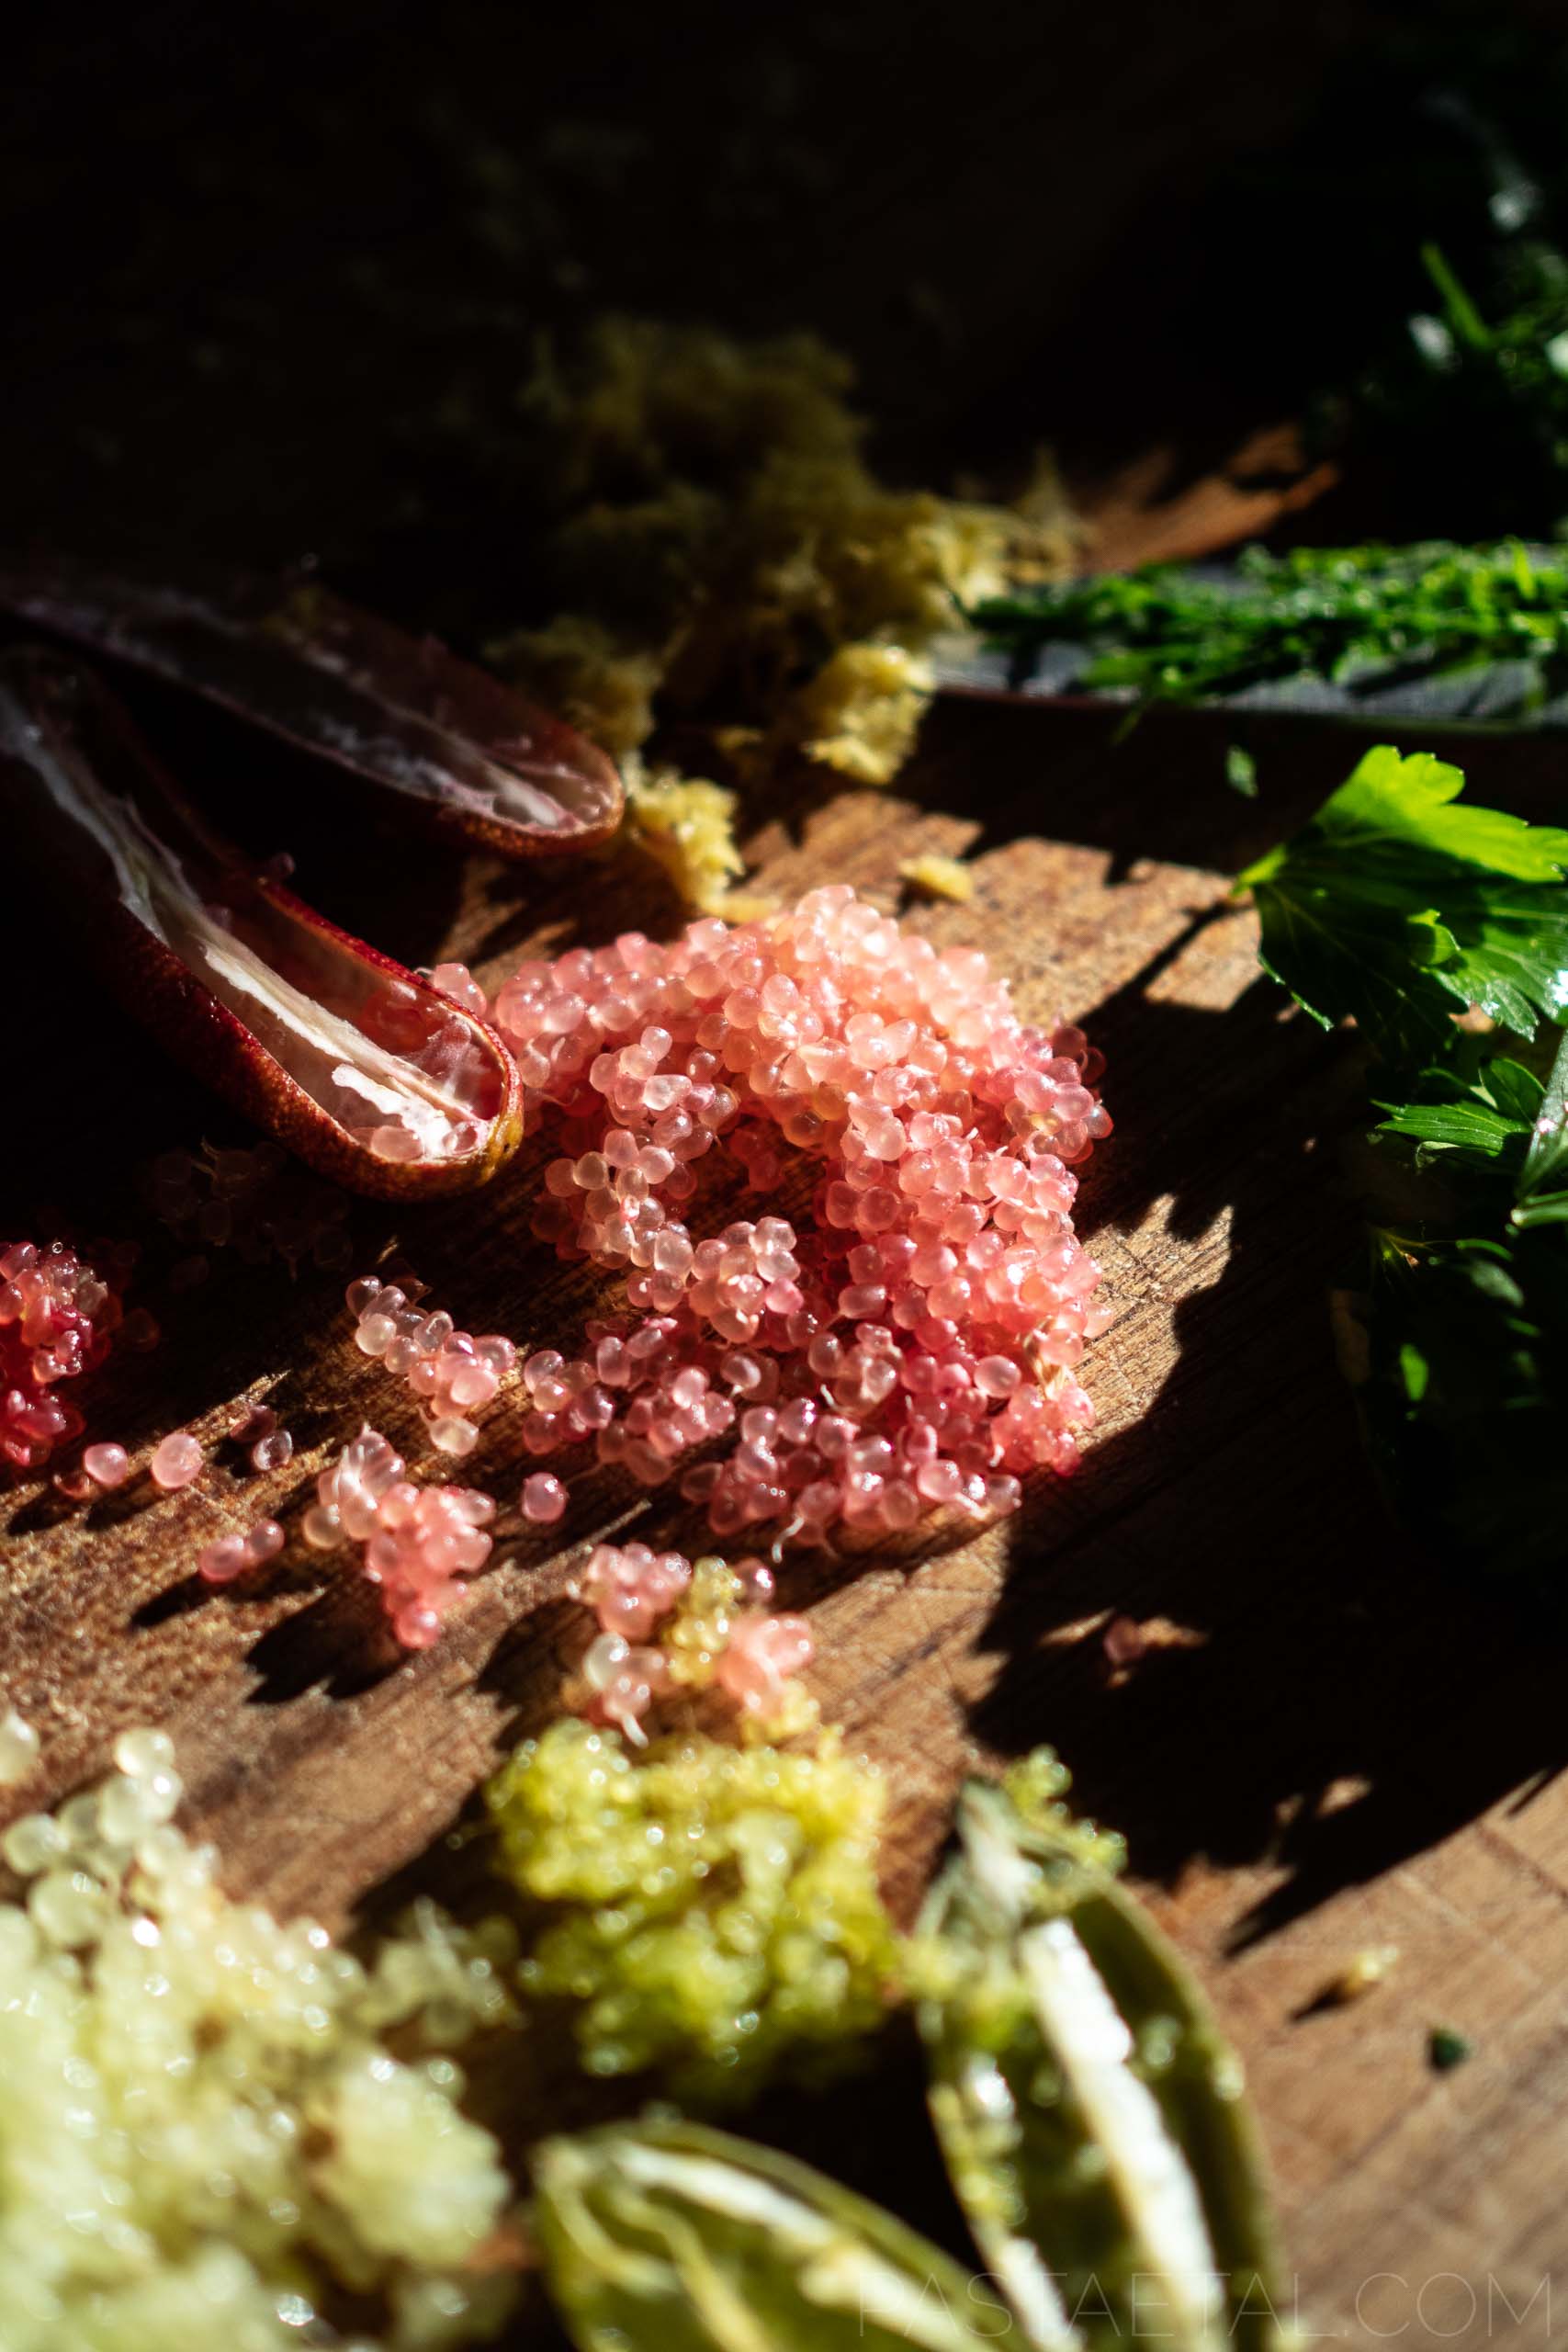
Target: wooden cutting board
[1322,1749]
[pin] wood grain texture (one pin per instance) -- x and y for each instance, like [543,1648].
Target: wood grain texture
[1322,1751]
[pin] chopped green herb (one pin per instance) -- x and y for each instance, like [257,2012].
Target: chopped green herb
[1447,2049]
[1241,771]
[1340,614]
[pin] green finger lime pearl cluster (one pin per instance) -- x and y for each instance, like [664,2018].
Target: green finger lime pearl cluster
[204,2138]
[707,1908]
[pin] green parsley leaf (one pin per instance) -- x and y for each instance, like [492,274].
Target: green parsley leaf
[1482,1122]
[1465,1402]
[1543,1180]
[1412,801]
[1398,907]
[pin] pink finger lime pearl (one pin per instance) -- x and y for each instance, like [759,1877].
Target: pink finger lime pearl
[629,1587]
[420,1542]
[911,1344]
[176,1461]
[251,1422]
[711,1629]
[452,1373]
[544,1500]
[764,1652]
[621,1682]
[231,1556]
[456,981]
[58,1316]
[108,1466]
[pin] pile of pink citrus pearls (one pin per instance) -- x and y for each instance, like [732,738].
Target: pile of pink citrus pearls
[57,1319]
[631,1589]
[451,1373]
[420,1542]
[906,1344]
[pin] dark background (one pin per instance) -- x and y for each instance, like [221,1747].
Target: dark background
[273,274]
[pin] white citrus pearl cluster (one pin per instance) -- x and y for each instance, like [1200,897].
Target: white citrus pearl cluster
[205,2139]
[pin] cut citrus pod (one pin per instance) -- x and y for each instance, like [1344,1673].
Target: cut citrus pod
[1090,2114]
[360,1067]
[671,2235]
[400,710]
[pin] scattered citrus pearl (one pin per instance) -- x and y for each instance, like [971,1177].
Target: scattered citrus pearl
[910,1344]
[230,1556]
[717,1631]
[260,1202]
[630,1588]
[456,981]
[142,1750]
[1125,1642]
[764,1652]
[20,1745]
[252,1421]
[222,1561]
[272,1452]
[176,1461]
[623,1682]
[450,1372]
[420,1542]
[544,1499]
[106,1465]
[454,1436]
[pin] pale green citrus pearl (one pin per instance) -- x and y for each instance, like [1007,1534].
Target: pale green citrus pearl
[215,2143]
[31,1843]
[143,1751]
[68,1907]
[20,1745]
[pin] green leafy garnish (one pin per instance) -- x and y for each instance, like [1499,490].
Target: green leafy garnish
[1344,615]
[1543,1181]
[1399,907]
[1481,1123]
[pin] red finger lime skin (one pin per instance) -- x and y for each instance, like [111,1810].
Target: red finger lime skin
[96,817]
[477,758]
